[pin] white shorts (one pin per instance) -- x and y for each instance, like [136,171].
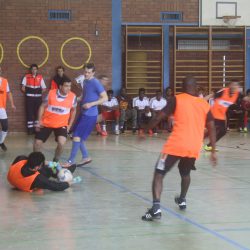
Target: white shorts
[3,114]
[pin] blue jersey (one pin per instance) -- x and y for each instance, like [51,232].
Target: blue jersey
[91,92]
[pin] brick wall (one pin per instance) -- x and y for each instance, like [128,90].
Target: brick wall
[23,18]
[149,11]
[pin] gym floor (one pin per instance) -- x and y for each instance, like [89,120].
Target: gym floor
[104,211]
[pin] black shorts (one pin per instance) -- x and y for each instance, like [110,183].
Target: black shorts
[45,132]
[185,165]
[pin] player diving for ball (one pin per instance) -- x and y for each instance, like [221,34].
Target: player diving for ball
[32,173]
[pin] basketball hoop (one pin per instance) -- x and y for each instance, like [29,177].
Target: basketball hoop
[230,21]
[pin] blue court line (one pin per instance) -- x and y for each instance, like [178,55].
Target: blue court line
[167,210]
[173,213]
[233,229]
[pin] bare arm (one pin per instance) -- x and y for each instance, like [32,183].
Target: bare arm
[11,101]
[155,121]
[212,137]
[72,117]
[40,113]
[166,112]
[23,88]
[207,97]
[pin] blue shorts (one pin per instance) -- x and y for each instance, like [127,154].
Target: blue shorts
[84,126]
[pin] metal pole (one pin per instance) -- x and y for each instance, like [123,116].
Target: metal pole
[224,71]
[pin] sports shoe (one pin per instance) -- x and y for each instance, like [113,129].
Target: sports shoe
[181,202]
[151,215]
[3,147]
[84,162]
[133,130]
[140,132]
[104,133]
[55,159]
[209,148]
[117,131]
[150,132]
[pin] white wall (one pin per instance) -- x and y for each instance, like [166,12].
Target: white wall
[208,11]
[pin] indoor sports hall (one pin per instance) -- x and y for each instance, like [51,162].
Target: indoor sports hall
[145,48]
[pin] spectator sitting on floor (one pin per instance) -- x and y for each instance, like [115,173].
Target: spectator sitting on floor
[139,104]
[156,104]
[110,111]
[126,111]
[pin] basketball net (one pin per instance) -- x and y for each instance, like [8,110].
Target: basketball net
[230,21]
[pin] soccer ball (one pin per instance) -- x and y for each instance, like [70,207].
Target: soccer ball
[64,175]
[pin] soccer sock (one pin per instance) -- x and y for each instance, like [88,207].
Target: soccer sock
[156,205]
[83,150]
[116,127]
[104,127]
[245,121]
[98,127]
[75,147]
[3,135]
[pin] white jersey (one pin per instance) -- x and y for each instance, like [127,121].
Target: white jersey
[157,105]
[140,104]
[80,80]
[112,103]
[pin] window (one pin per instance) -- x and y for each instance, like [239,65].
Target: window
[171,16]
[63,15]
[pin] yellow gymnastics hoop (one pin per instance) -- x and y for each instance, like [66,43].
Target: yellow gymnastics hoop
[69,40]
[1,47]
[32,37]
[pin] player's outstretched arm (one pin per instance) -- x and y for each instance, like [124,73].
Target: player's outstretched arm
[212,137]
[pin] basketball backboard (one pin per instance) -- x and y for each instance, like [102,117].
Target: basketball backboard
[213,12]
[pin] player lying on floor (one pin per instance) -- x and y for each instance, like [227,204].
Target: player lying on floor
[32,173]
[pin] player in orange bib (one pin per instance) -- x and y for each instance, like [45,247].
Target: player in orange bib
[31,173]
[222,101]
[56,114]
[191,116]
[4,94]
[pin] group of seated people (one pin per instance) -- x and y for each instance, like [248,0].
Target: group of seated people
[141,109]
[138,110]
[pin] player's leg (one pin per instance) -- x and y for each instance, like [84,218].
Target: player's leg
[61,138]
[163,165]
[105,116]
[185,166]
[116,116]
[122,119]
[3,133]
[41,136]
[29,115]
